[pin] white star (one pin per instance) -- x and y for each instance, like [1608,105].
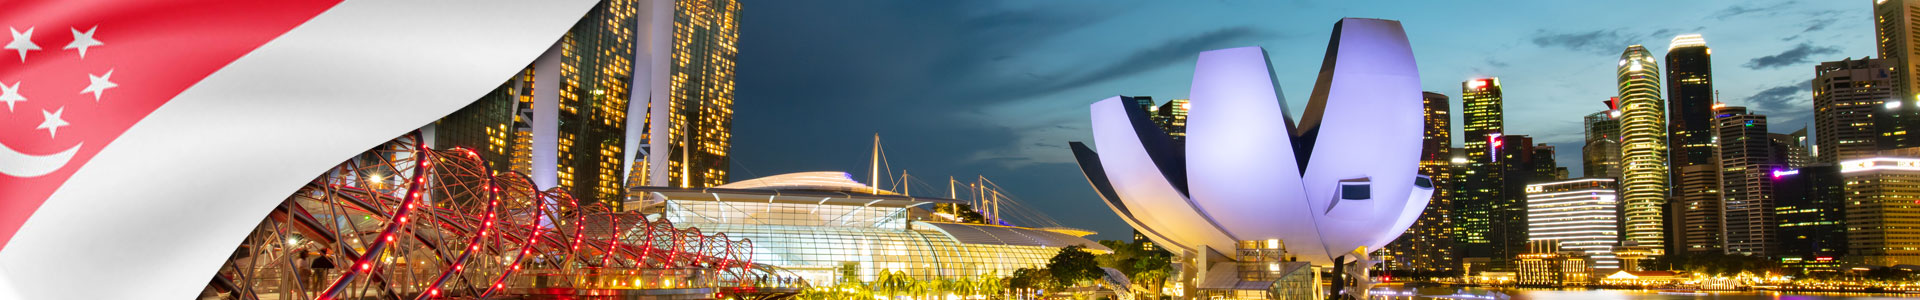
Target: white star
[22,42]
[99,84]
[11,94]
[52,121]
[83,40]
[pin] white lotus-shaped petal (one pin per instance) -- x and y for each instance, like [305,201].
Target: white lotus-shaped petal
[1343,179]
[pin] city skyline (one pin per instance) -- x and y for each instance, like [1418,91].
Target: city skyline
[1131,149]
[1008,107]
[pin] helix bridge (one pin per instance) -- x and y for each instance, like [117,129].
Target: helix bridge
[405,221]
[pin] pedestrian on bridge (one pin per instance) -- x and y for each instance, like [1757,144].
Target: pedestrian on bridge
[321,267]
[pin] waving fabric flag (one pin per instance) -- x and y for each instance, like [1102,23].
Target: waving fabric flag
[140,140]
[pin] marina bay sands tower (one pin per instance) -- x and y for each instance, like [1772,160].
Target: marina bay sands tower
[638,93]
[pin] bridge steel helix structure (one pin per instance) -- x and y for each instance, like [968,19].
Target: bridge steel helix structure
[404,221]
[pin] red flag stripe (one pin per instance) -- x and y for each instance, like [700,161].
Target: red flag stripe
[152,215]
[146,52]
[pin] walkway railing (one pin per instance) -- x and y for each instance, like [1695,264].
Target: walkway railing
[406,221]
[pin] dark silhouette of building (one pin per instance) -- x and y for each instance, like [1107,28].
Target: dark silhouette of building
[1544,167]
[1689,102]
[1428,244]
[1172,118]
[1790,150]
[1811,208]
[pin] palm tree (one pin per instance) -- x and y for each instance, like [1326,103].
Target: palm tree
[889,285]
[989,284]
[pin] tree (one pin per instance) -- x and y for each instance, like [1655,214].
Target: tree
[893,283]
[1073,264]
[1121,258]
[963,212]
[1713,263]
[1152,270]
[989,284]
[1145,268]
[1026,281]
[849,287]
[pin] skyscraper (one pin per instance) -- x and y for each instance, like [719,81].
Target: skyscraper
[1747,164]
[1544,167]
[1579,213]
[487,126]
[1600,157]
[1811,209]
[1520,165]
[1697,225]
[1428,244]
[1846,94]
[1484,175]
[490,127]
[1895,24]
[1172,118]
[1790,150]
[574,106]
[1145,102]
[1881,229]
[1689,102]
[1643,185]
[690,117]
[1460,188]
[593,86]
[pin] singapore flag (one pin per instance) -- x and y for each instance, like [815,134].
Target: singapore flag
[141,139]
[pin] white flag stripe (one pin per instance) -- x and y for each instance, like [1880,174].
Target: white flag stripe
[154,214]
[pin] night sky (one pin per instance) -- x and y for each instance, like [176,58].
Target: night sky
[998,88]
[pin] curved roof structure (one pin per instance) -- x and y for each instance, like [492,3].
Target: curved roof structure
[1017,236]
[830,181]
[824,188]
[1341,179]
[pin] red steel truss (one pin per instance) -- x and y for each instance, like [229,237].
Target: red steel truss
[406,221]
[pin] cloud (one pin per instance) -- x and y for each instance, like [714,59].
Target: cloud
[1779,98]
[1166,53]
[1746,9]
[1596,41]
[1798,55]
[1817,25]
[1600,41]
[1496,63]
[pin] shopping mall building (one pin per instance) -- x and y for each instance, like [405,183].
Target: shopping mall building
[814,223]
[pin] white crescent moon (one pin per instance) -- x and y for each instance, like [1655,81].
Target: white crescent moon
[16,164]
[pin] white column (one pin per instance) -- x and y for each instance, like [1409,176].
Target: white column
[546,119]
[653,52]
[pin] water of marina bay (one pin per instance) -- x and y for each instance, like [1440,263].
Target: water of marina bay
[1454,292]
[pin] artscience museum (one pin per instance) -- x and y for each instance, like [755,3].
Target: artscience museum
[1252,194]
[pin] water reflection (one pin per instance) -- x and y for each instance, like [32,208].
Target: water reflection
[1474,293]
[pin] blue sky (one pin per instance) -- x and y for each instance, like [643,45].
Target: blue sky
[997,88]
